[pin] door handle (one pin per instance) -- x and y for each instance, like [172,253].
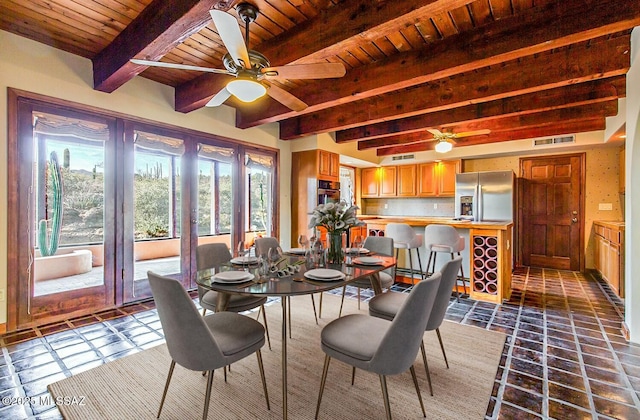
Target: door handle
[574,220]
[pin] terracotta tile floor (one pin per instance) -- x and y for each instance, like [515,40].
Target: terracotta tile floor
[564,358]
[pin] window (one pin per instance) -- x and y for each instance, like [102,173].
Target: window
[259,193]
[215,190]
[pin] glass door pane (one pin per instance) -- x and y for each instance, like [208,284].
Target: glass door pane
[68,269]
[259,190]
[215,194]
[156,203]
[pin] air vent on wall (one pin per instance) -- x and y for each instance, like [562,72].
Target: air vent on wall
[403,157]
[554,140]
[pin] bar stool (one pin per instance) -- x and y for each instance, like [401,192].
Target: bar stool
[443,238]
[404,237]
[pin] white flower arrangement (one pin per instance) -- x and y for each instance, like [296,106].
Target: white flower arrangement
[335,217]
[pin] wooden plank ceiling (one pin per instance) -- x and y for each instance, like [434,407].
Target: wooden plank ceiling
[519,68]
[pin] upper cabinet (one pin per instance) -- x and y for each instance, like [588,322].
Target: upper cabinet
[328,165]
[438,179]
[434,179]
[406,178]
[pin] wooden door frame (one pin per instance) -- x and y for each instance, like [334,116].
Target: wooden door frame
[581,211]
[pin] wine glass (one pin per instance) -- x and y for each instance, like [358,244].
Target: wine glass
[241,251]
[303,241]
[356,244]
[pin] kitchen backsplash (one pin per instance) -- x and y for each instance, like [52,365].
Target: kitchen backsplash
[438,207]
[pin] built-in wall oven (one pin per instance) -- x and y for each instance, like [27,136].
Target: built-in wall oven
[328,192]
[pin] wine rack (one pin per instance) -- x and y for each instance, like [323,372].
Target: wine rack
[485,264]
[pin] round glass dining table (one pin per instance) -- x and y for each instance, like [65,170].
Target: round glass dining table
[286,285]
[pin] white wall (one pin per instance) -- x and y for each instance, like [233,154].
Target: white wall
[632,196]
[35,67]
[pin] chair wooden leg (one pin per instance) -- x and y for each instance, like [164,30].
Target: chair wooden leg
[442,347]
[264,381]
[207,396]
[344,289]
[415,384]
[166,386]
[358,298]
[266,327]
[426,367]
[225,374]
[385,396]
[315,314]
[325,369]
[204,311]
[353,375]
[320,308]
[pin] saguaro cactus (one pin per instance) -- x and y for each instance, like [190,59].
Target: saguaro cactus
[48,243]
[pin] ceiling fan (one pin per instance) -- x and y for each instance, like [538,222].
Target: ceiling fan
[447,139]
[251,69]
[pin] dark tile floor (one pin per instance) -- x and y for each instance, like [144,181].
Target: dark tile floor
[564,358]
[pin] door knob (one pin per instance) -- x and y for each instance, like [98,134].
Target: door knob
[574,220]
[574,213]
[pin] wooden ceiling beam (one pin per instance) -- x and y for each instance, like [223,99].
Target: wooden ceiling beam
[579,63]
[506,123]
[159,28]
[548,27]
[573,95]
[560,128]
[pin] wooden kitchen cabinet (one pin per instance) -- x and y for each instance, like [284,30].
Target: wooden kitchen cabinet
[621,171]
[369,182]
[378,182]
[328,165]
[437,179]
[609,254]
[388,181]
[406,181]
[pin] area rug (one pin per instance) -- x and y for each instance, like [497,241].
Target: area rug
[131,387]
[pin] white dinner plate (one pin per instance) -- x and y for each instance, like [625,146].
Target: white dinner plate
[232,277]
[296,251]
[360,251]
[324,274]
[368,261]
[243,260]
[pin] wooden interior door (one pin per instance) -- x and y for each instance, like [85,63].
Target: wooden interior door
[551,212]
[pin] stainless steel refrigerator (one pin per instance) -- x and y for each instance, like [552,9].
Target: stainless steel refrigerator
[485,196]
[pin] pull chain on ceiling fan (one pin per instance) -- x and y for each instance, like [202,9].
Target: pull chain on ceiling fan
[251,69]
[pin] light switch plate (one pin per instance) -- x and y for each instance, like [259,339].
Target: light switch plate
[605,206]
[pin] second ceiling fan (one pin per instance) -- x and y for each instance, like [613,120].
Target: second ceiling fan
[447,139]
[251,69]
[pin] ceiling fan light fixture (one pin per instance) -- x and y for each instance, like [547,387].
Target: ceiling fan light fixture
[246,90]
[443,146]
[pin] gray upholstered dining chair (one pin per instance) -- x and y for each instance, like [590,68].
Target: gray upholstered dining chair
[203,343]
[263,245]
[378,345]
[386,306]
[383,246]
[211,255]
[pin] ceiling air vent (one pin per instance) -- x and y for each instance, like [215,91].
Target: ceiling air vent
[554,140]
[403,157]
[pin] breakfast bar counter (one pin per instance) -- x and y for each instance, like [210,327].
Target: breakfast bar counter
[487,258]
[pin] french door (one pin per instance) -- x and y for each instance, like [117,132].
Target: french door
[96,201]
[61,220]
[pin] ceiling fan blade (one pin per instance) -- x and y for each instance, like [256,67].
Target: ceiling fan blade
[305,71]
[177,66]
[285,98]
[219,98]
[435,132]
[473,133]
[231,36]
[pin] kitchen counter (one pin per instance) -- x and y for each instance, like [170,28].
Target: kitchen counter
[425,221]
[486,258]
